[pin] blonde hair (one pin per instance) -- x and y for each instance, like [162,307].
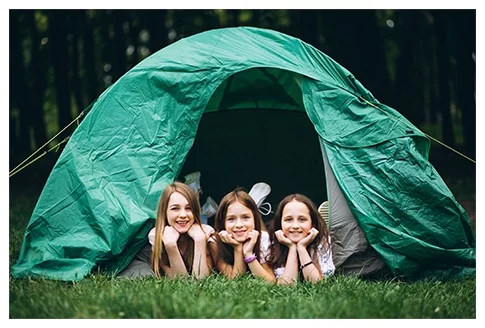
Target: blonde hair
[186,246]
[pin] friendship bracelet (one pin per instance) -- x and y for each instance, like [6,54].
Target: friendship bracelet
[250,258]
[305,265]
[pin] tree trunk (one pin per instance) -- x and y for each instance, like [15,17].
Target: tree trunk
[39,84]
[430,71]
[352,38]
[118,66]
[76,30]
[158,32]
[134,22]
[60,60]
[409,84]
[441,27]
[466,34]
[90,64]
[20,144]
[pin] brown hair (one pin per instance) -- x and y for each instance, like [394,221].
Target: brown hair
[279,252]
[225,251]
[185,243]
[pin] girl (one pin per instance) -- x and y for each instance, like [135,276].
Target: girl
[300,242]
[240,244]
[179,240]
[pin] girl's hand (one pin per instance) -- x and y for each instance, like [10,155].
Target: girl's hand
[170,236]
[227,238]
[283,239]
[196,233]
[308,239]
[248,245]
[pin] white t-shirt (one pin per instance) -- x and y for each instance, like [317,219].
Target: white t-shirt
[207,229]
[324,260]
[264,247]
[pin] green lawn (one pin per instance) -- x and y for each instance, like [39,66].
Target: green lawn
[103,296]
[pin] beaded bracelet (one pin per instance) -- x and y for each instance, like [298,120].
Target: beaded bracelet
[250,258]
[305,265]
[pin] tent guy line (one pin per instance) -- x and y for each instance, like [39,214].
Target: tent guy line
[427,135]
[21,166]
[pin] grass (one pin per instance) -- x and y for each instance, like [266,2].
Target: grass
[105,296]
[100,296]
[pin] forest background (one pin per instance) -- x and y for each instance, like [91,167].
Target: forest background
[420,62]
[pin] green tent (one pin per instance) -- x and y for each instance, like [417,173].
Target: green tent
[100,199]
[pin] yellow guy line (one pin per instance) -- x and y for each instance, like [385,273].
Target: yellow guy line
[434,139]
[16,169]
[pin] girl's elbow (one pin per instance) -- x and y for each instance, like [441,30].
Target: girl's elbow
[314,280]
[271,280]
[285,282]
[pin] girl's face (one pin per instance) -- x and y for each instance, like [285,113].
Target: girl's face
[296,221]
[239,221]
[179,213]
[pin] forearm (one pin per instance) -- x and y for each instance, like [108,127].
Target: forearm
[177,265]
[258,270]
[290,275]
[310,272]
[239,266]
[200,267]
[234,270]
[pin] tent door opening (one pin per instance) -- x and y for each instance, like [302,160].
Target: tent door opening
[243,147]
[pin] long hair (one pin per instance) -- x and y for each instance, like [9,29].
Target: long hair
[279,252]
[185,243]
[225,251]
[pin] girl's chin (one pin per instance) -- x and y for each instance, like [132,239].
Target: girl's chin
[295,240]
[240,238]
[182,229]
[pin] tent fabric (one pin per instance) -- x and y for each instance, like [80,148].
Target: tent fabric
[405,209]
[100,199]
[351,252]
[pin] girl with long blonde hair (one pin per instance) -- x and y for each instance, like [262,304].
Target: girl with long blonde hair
[179,240]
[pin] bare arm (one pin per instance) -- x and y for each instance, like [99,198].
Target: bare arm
[262,270]
[310,272]
[200,266]
[239,266]
[290,275]
[257,269]
[177,265]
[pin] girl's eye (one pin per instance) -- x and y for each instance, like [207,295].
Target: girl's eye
[230,219]
[246,217]
[287,219]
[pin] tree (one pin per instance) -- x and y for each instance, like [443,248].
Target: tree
[465,46]
[20,131]
[441,28]
[60,60]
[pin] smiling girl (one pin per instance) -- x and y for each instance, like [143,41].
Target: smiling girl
[179,240]
[300,242]
[240,244]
